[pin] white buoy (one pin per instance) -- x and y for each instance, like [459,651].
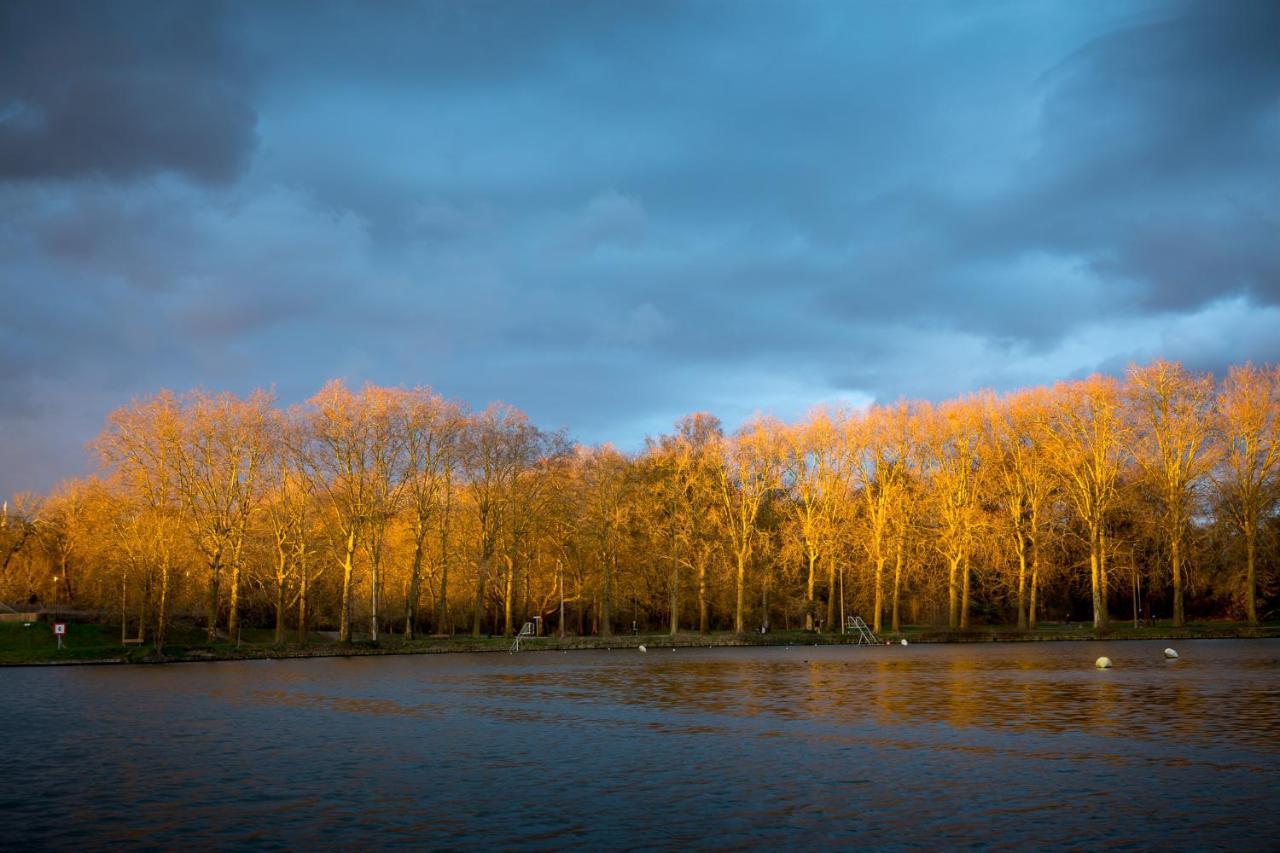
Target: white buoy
[1103,663]
[1172,654]
[904,641]
[643,649]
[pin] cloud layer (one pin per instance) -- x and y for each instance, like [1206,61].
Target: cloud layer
[613,214]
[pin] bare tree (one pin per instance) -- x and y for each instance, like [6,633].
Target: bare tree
[432,428]
[750,473]
[1023,485]
[880,450]
[954,455]
[1086,436]
[1172,441]
[812,465]
[334,448]
[140,443]
[500,445]
[1249,478]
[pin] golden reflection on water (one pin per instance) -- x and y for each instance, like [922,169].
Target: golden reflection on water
[922,745]
[1043,689]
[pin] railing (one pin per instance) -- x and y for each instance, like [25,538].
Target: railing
[527,630]
[865,634]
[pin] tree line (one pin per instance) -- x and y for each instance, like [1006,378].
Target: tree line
[393,510]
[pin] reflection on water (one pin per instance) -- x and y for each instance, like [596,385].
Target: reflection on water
[917,746]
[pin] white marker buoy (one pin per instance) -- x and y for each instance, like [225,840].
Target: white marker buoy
[1103,663]
[904,641]
[643,649]
[1172,654]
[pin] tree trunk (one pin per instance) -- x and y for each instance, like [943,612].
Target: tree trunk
[1102,576]
[808,592]
[739,622]
[508,597]
[233,615]
[675,596]
[1095,579]
[415,583]
[280,605]
[704,624]
[964,594]
[1035,586]
[895,623]
[348,566]
[606,600]
[302,600]
[215,578]
[1022,581]
[953,593]
[764,598]
[876,621]
[375,577]
[144,607]
[831,591]
[478,613]
[1251,577]
[443,625]
[162,611]
[63,560]
[1175,555]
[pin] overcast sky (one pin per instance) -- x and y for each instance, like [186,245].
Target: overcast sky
[613,213]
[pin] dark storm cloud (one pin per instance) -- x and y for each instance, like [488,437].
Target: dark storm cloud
[1162,139]
[611,214]
[121,89]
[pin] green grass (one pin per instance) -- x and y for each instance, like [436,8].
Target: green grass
[1118,630]
[21,644]
[87,642]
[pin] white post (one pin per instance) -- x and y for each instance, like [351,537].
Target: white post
[843,621]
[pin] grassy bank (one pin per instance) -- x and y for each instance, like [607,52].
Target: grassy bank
[87,643]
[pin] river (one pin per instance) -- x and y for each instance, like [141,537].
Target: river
[895,747]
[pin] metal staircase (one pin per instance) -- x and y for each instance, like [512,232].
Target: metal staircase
[527,630]
[865,635]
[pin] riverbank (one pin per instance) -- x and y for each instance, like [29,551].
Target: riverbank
[35,645]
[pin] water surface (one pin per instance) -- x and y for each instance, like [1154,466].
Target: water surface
[923,746]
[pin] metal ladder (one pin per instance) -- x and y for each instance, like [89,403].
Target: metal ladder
[525,631]
[865,635]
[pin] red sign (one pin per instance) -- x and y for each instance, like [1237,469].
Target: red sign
[59,628]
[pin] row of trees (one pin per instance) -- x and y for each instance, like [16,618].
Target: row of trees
[396,509]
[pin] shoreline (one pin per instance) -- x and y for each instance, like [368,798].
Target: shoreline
[491,645]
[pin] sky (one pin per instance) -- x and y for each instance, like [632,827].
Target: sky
[611,214]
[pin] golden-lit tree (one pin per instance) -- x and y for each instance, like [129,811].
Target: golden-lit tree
[501,444]
[433,429]
[1086,436]
[749,474]
[1023,485]
[217,456]
[140,445]
[606,481]
[1172,441]
[215,509]
[880,445]
[334,449]
[1249,478]
[814,458]
[954,454]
